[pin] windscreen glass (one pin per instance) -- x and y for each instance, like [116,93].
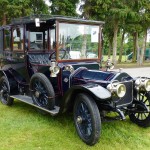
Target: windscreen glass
[78,41]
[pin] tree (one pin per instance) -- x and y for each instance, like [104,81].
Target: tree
[18,8]
[65,7]
[108,31]
[38,7]
[3,11]
[138,24]
[133,26]
[145,22]
[113,12]
[126,15]
[121,45]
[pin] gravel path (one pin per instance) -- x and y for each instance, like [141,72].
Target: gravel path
[135,72]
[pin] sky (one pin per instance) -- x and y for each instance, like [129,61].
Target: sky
[47,2]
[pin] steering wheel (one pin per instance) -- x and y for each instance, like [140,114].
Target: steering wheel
[62,54]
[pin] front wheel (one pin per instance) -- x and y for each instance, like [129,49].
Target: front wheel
[42,91]
[87,119]
[141,116]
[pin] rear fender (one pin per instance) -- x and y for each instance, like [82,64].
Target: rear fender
[96,91]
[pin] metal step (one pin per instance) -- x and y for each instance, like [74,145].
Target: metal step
[28,100]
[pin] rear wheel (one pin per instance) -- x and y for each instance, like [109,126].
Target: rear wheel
[5,91]
[42,91]
[87,119]
[141,116]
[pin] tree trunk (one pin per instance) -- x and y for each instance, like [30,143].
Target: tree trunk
[142,58]
[115,42]
[4,20]
[121,47]
[110,47]
[136,47]
[83,50]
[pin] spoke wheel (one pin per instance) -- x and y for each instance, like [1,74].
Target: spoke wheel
[42,91]
[87,119]
[141,117]
[5,92]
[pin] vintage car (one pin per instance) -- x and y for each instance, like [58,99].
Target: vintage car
[45,63]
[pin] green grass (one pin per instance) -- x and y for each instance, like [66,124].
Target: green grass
[23,128]
[124,58]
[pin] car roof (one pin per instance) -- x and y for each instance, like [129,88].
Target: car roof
[51,18]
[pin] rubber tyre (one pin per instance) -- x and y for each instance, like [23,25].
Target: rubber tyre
[86,108]
[134,117]
[5,95]
[46,97]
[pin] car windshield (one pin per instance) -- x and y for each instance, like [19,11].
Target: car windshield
[80,41]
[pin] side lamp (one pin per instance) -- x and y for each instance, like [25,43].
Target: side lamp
[54,69]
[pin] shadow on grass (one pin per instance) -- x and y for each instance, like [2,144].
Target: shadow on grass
[25,108]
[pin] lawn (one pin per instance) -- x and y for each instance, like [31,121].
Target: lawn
[125,63]
[23,128]
[124,58]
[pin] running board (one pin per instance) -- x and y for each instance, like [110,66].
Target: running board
[28,100]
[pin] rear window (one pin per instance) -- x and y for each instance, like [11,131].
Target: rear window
[38,40]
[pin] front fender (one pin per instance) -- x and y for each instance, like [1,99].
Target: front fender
[96,91]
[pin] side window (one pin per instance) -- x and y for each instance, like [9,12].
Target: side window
[52,36]
[7,39]
[18,39]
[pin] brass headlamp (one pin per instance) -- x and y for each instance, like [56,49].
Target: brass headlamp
[142,84]
[117,89]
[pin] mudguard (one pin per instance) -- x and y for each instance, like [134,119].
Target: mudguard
[98,93]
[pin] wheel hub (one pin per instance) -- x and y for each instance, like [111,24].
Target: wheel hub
[2,91]
[37,94]
[79,119]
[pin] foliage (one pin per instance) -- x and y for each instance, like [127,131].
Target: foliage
[65,7]
[38,7]
[130,16]
[18,8]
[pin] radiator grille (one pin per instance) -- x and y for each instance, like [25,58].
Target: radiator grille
[128,98]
